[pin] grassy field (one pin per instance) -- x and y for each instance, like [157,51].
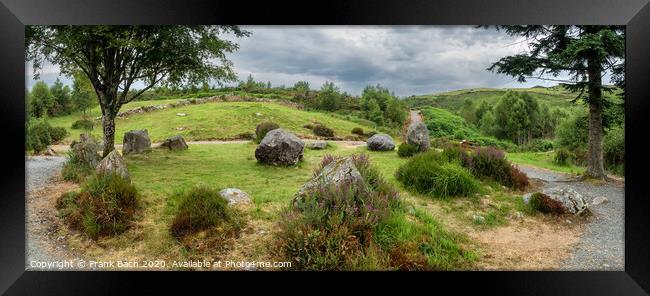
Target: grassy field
[543,160]
[208,121]
[160,173]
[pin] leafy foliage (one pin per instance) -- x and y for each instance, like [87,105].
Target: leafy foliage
[323,131]
[545,204]
[83,123]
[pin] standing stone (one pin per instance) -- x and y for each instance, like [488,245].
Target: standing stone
[334,173]
[86,152]
[418,135]
[175,143]
[381,142]
[280,147]
[113,163]
[136,141]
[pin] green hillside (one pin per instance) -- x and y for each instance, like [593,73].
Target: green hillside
[210,121]
[453,100]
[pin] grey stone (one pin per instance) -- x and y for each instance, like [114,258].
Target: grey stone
[235,196]
[181,114]
[478,219]
[318,145]
[86,152]
[573,201]
[280,148]
[527,197]
[136,141]
[175,143]
[418,135]
[113,163]
[334,173]
[599,200]
[381,142]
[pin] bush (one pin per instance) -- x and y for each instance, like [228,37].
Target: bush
[84,124]
[202,208]
[105,206]
[38,136]
[76,170]
[57,134]
[543,203]
[491,163]
[518,179]
[562,157]
[263,128]
[407,150]
[357,131]
[541,145]
[430,173]
[308,126]
[323,131]
[333,227]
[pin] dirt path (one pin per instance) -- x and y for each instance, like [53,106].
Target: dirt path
[44,250]
[603,243]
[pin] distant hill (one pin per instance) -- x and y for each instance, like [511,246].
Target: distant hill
[453,100]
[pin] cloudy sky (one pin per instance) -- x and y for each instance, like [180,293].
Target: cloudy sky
[407,59]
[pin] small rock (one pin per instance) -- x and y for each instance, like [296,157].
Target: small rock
[381,142]
[318,145]
[181,114]
[175,143]
[258,114]
[518,215]
[526,197]
[568,221]
[478,219]
[235,196]
[50,152]
[599,200]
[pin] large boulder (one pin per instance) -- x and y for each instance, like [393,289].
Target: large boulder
[235,196]
[113,163]
[175,143]
[381,142]
[418,135]
[571,200]
[334,173]
[85,151]
[136,141]
[280,147]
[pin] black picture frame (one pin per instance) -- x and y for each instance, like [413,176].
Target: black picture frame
[635,14]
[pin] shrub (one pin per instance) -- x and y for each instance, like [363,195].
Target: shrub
[57,134]
[84,124]
[75,169]
[430,173]
[540,145]
[357,131]
[491,163]
[407,150]
[543,203]
[262,129]
[38,136]
[562,157]
[308,126]
[333,226]
[202,208]
[105,206]
[323,131]
[246,136]
[518,179]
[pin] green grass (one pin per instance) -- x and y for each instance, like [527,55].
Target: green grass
[543,160]
[213,120]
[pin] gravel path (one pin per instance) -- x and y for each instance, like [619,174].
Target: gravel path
[41,248]
[603,244]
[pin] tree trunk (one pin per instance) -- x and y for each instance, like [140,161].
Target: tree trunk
[108,125]
[595,168]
